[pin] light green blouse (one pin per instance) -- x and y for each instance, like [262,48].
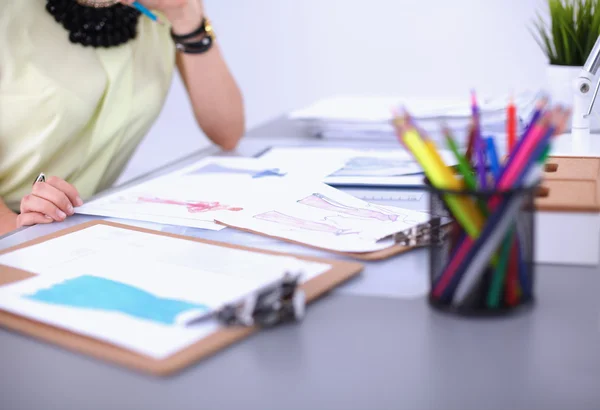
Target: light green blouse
[72,111]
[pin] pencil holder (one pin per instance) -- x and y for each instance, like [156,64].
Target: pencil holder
[487,269]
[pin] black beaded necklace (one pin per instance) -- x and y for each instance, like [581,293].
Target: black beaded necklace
[95,27]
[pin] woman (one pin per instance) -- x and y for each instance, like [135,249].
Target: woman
[82,81]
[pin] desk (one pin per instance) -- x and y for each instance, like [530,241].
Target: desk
[371,344]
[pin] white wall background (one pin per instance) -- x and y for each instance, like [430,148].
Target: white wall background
[288,53]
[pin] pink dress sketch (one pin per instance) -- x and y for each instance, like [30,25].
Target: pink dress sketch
[192,207]
[320,201]
[283,219]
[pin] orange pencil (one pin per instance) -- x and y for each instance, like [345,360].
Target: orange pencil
[511,125]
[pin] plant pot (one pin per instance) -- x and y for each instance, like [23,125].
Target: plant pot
[559,85]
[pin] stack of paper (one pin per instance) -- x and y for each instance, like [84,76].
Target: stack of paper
[368,118]
[348,167]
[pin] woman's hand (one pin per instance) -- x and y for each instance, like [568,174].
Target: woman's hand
[185,16]
[49,201]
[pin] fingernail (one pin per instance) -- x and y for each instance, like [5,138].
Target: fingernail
[48,217]
[61,214]
[78,201]
[70,209]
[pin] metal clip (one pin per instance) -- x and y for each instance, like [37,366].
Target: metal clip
[281,302]
[428,233]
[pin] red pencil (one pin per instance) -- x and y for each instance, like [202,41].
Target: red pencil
[511,289]
[511,125]
[470,143]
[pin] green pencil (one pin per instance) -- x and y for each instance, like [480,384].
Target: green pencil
[463,165]
[493,298]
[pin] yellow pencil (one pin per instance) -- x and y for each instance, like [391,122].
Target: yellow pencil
[442,177]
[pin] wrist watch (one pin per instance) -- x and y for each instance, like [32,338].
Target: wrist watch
[196,42]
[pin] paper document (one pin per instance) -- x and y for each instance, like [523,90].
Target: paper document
[320,216]
[132,288]
[354,167]
[192,196]
[368,117]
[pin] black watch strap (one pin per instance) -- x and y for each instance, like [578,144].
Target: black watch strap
[183,37]
[199,47]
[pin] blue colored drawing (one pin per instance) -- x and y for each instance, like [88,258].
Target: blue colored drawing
[220,169]
[93,292]
[373,166]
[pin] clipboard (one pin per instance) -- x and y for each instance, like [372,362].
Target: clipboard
[416,237]
[314,288]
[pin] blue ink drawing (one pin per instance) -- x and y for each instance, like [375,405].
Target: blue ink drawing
[220,169]
[373,166]
[93,292]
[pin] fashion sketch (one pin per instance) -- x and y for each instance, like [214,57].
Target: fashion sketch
[371,211]
[192,207]
[221,169]
[304,224]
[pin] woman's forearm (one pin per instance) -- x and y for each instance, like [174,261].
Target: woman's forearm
[215,96]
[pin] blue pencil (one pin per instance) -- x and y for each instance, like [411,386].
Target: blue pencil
[493,157]
[142,9]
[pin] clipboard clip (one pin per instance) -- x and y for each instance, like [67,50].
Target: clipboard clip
[427,233]
[281,302]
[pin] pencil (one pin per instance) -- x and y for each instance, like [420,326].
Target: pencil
[463,165]
[479,146]
[537,114]
[511,125]
[493,157]
[493,298]
[463,209]
[142,9]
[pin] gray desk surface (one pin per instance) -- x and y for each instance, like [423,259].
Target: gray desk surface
[374,343]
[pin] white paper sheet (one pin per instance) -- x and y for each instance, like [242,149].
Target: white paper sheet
[354,167]
[378,109]
[324,217]
[174,271]
[191,196]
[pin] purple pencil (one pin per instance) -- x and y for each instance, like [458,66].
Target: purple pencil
[479,145]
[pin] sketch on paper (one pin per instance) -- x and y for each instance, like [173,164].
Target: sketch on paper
[363,166]
[96,293]
[192,207]
[369,211]
[222,169]
[304,224]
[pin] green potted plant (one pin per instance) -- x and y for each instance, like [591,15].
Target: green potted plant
[566,35]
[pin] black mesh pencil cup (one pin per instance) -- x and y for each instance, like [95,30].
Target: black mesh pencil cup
[490,272]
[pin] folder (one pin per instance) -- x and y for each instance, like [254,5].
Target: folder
[223,337]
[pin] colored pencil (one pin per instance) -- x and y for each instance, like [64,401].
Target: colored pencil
[537,114]
[493,297]
[464,167]
[441,177]
[511,125]
[478,143]
[144,10]
[492,155]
